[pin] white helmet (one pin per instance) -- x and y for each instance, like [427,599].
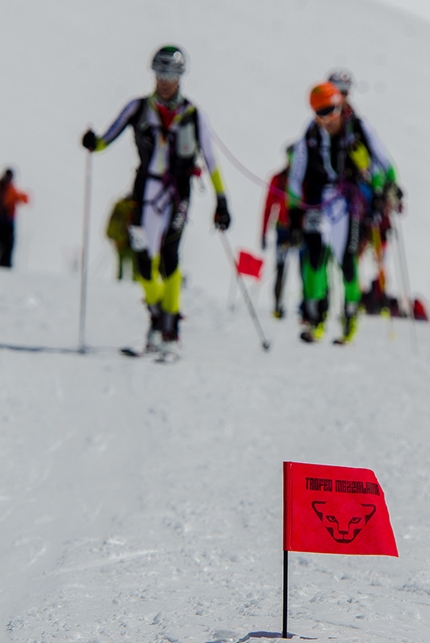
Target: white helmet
[342,79]
[169,60]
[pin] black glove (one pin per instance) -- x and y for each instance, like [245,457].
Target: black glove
[263,242]
[89,140]
[394,195]
[222,217]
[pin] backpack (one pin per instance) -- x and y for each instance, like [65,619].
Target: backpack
[119,220]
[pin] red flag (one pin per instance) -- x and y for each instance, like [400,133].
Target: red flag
[248,264]
[335,510]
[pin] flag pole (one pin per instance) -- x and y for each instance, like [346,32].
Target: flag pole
[285,607]
[264,342]
[286,481]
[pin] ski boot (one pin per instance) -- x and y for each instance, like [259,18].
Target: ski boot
[154,334]
[349,324]
[315,322]
[314,333]
[169,347]
[279,312]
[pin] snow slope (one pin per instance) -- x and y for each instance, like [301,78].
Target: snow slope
[144,503]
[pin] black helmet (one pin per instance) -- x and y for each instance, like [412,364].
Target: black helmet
[342,79]
[169,60]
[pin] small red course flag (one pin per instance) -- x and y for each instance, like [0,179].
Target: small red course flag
[249,264]
[335,510]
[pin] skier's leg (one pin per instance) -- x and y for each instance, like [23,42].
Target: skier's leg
[7,243]
[282,245]
[120,264]
[315,284]
[170,303]
[279,282]
[153,224]
[352,290]
[314,268]
[2,241]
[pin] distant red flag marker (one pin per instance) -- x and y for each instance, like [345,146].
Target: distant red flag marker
[249,264]
[335,510]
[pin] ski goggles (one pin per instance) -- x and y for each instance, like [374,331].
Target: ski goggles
[170,76]
[328,112]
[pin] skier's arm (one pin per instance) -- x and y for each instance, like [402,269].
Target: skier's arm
[96,143]
[14,197]
[22,197]
[209,154]
[379,154]
[271,198]
[222,216]
[297,173]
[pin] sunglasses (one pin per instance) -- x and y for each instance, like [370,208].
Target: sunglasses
[170,76]
[333,110]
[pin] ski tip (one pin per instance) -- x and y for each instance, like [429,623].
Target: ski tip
[340,342]
[307,337]
[129,352]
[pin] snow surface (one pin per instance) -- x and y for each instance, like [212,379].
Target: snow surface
[141,502]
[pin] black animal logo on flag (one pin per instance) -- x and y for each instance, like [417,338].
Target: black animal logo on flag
[343,526]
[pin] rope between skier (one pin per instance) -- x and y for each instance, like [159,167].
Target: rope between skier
[261,182]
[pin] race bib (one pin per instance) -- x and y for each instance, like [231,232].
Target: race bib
[180,216]
[138,240]
[312,221]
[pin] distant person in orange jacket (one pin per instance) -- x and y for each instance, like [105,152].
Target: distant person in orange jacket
[10,197]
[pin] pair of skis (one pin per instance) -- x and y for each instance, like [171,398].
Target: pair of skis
[161,356]
[307,337]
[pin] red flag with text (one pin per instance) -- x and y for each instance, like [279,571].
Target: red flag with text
[249,264]
[335,510]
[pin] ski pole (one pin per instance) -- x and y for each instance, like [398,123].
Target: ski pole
[85,244]
[405,275]
[264,342]
[377,247]
[382,280]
